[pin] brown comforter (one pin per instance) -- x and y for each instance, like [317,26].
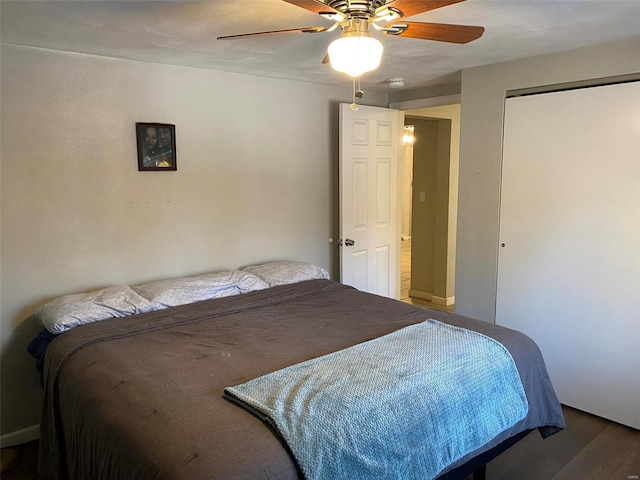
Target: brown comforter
[142,397]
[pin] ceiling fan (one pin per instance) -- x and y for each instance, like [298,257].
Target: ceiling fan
[354,18]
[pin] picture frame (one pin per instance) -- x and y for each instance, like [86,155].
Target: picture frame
[156,146]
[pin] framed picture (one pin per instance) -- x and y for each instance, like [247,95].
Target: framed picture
[156,146]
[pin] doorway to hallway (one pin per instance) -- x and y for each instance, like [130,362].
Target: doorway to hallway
[429,193]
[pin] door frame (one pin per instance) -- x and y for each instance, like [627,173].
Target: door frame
[426,102]
[414,105]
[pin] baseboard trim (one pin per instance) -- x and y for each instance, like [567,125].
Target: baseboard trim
[443,301]
[20,436]
[419,294]
[447,302]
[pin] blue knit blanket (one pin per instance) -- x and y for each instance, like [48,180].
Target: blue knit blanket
[402,406]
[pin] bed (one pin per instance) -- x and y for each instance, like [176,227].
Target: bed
[143,396]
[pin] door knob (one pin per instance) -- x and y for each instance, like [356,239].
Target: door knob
[349,243]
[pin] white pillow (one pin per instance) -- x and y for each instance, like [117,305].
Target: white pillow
[69,311]
[180,291]
[284,272]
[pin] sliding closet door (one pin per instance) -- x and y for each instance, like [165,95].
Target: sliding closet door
[569,247]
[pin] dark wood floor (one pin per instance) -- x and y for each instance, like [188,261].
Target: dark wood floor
[591,448]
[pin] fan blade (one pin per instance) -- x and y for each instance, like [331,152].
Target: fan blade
[441,32]
[288,30]
[414,7]
[315,6]
[326,59]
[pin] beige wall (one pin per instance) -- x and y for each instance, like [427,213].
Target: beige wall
[257,164]
[429,231]
[423,213]
[483,95]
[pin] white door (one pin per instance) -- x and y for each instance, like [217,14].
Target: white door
[569,254]
[369,148]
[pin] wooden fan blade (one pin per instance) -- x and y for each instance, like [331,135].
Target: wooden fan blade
[326,59]
[440,32]
[414,7]
[270,32]
[315,6]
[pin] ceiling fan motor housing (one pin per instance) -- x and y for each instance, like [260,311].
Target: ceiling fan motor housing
[355,27]
[357,8]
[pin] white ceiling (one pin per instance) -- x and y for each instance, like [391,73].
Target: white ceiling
[184,33]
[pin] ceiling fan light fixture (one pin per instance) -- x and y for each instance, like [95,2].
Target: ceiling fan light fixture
[355,55]
[356,52]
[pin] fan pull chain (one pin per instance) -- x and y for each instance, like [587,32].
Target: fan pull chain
[356,94]
[354,106]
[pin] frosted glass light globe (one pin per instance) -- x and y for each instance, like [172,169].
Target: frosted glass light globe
[355,55]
